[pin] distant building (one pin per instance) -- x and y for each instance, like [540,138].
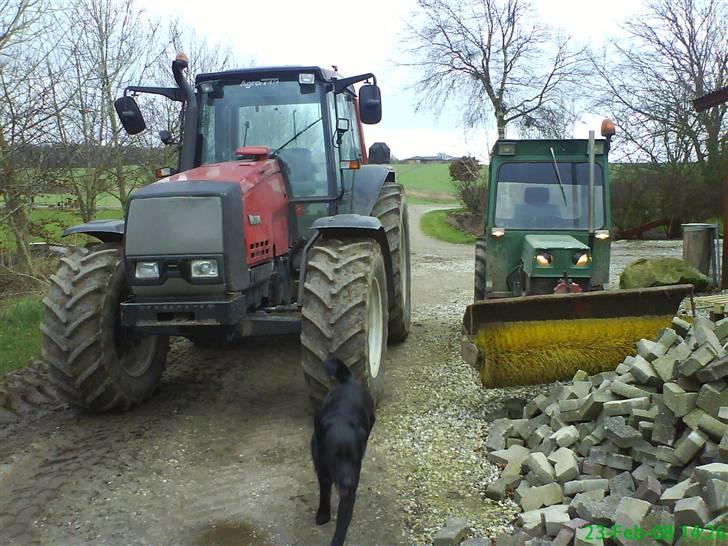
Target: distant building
[439,158]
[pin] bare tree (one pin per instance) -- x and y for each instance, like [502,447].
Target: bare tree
[113,43]
[24,114]
[492,55]
[675,51]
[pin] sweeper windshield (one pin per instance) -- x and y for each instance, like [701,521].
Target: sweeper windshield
[530,195]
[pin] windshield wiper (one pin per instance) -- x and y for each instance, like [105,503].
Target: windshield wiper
[294,137]
[558,176]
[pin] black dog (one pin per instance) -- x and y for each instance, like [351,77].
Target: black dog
[341,431]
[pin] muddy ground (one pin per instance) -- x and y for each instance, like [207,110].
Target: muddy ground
[221,454]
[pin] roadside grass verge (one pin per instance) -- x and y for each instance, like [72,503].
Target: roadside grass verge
[434,224]
[20,336]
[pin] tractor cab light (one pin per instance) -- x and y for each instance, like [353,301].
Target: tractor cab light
[252,153]
[306,79]
[506,148]
[497,232]
[608,128]
[207,87]
[601,234]
[544,259]
[351,165]
[581,259]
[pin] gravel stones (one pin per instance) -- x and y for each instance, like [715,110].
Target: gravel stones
[639,447]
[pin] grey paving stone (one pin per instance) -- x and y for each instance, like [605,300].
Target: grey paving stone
[688,446]
[621,433]
[692,511]
[711,400]
[649,490]
[716,495]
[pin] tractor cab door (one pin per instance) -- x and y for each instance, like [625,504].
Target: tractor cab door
[347,145]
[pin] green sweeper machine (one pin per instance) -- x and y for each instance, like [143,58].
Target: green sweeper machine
[541,311]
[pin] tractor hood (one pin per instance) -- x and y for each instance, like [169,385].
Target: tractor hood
[245,173]
[551,242]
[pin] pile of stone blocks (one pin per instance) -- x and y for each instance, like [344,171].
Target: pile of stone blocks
[644,447]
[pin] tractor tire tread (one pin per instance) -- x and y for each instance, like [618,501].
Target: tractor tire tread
[334,313]
[73,346]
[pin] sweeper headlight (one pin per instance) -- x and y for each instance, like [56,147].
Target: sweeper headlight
[498,232]
[601,234]
[581,259]
[544,259]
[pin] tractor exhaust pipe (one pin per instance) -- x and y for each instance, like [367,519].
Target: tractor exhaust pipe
[189,131]
[592,167]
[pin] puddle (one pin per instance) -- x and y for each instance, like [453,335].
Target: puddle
[232,534]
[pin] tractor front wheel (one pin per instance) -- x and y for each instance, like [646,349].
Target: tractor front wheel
[93,361]
[345,313]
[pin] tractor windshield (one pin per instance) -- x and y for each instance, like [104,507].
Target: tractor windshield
[269,112]
[529,196]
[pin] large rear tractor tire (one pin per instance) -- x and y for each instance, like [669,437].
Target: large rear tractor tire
[479,281]
[345,314]
[391,209]
[93,361]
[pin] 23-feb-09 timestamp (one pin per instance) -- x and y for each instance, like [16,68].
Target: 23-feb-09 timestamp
[666,533]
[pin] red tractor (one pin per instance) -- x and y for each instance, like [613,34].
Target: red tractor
[273,223]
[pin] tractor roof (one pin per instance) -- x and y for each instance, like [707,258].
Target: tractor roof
[564,147]
[323,74]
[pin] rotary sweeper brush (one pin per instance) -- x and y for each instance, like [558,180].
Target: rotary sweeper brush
[541,312]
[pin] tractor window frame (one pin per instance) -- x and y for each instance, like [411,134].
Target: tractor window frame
[599,185]
[347,107]
[320,92]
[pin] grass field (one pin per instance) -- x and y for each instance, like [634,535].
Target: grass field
[425,184]
[19,333]
[433,224]
[48,225]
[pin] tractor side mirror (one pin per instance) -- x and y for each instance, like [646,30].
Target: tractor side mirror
[342,126]
[370,104]
[130,115]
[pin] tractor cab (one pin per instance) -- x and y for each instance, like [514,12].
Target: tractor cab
[547,220]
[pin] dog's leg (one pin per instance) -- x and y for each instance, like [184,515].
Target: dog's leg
[323,514]
[343,516]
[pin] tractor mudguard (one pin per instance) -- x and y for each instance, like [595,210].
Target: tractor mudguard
[355,225]
[368,182]
[107,231]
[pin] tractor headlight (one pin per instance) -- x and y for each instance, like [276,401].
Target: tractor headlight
[580,259]
[204,269]
[497,232]
[544,259]
[147,270]
[601,234]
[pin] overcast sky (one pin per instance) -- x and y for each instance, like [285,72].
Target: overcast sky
[364,36]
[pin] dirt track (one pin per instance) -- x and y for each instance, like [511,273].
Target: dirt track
[220,455]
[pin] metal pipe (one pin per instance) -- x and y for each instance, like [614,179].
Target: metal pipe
[189,131]
[592,167]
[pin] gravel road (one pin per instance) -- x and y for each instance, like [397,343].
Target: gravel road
[221,454]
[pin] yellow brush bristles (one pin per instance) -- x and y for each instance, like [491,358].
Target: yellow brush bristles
[524,353]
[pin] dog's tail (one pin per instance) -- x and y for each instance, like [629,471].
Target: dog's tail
[337,369]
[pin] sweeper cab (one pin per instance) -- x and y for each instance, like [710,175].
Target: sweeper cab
[544,259]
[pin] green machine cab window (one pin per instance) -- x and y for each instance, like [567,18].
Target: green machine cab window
[529,195]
